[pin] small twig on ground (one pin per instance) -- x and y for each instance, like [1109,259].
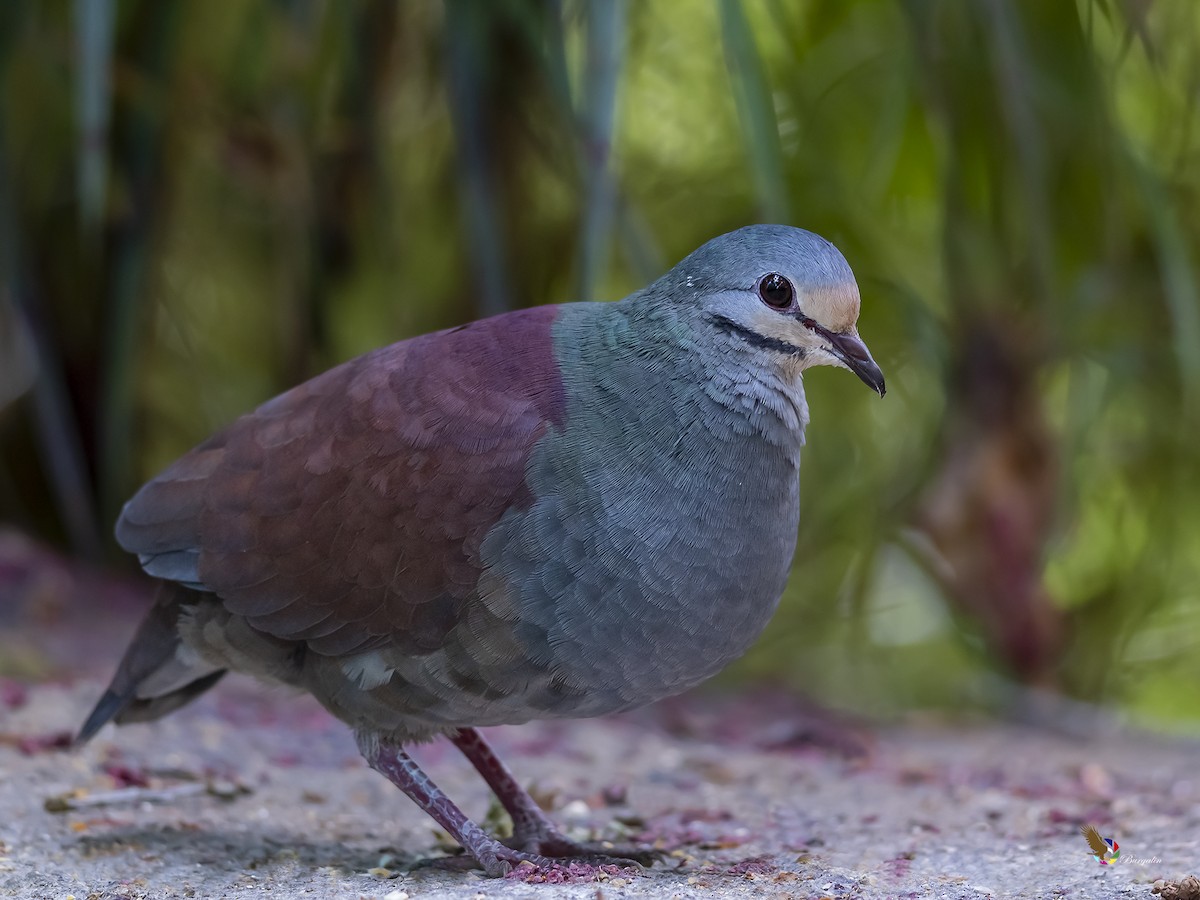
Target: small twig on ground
[60,803]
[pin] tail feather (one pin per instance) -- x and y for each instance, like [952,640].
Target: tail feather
[109,705]
[153,678]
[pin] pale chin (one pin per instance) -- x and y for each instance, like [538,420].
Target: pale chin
[820,355]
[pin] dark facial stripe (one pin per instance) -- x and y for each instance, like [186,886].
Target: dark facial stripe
[754,338]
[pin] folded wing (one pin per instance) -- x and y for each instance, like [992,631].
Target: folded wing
[349,511]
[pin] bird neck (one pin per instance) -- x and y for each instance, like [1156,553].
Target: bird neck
[696,361]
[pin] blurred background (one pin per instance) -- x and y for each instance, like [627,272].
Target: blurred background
[202,204]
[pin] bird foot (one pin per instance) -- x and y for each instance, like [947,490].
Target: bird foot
[561,849]
[497,859]
[524,865]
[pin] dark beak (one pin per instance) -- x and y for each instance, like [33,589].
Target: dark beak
[849,348]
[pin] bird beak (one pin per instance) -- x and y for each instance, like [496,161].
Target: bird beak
[850,349]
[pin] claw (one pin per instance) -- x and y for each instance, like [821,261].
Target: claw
[499,862]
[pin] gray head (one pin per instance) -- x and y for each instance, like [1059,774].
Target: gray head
[785,291]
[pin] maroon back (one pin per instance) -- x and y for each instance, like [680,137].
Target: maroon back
[349,511]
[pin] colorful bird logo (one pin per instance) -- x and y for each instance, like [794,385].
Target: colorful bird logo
[1105,851]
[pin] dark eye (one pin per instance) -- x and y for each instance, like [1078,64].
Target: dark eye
[776,291]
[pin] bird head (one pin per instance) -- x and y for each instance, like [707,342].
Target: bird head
[784,291]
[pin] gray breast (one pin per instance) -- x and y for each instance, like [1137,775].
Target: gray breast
[655,575]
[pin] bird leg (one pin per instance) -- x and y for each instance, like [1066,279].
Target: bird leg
[390,760]
[533,830]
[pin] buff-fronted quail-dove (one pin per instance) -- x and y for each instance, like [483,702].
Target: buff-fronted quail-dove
[557,512]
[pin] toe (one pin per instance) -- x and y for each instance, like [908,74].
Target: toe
[561,849]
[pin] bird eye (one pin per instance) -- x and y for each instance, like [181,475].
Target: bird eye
[776,291]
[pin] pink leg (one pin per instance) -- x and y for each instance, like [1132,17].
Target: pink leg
[398,767]
[533,830]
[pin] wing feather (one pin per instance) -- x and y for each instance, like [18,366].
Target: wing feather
[349,511]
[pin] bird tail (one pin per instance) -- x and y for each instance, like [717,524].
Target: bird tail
[158,673]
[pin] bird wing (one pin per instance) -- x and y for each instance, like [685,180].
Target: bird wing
[349,511]
[1092,836]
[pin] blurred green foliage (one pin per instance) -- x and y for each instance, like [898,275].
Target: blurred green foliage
[202,204]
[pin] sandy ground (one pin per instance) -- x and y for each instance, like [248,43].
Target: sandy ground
[252,793]
[265,797]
